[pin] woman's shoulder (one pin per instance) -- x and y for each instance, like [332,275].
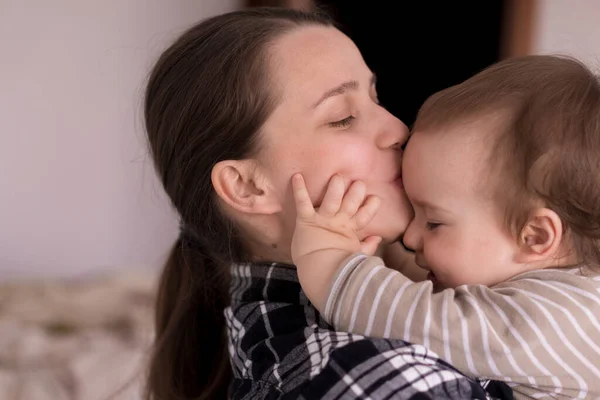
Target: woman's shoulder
[381,369]
[280,347]
[288,350]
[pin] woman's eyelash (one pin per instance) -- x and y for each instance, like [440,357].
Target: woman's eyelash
[342,123]
[432,225]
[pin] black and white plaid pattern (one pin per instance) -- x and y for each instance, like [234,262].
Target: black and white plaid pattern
[281,348]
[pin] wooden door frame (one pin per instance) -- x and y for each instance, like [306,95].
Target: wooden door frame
[519,26]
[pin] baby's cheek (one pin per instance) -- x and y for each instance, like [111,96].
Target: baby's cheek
[444,258]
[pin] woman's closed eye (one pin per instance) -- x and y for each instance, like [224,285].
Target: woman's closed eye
[343,123]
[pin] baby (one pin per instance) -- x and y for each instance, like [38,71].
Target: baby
[503,172]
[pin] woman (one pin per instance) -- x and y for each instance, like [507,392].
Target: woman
[235,107]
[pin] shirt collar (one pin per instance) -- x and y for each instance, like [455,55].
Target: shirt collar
[271,282]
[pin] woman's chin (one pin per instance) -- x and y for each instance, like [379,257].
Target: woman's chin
[387,234]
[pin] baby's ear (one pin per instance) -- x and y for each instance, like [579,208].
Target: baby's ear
[541,236]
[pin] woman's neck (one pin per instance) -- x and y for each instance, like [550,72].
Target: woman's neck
[266,240]
[270,253]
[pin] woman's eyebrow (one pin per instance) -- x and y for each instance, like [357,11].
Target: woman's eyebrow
[341,89]
[336,91]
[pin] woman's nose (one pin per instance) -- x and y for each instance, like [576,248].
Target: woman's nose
[392,132]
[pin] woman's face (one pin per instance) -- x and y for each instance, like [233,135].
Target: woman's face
[328,121]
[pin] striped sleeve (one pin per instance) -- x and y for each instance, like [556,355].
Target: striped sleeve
[540,332]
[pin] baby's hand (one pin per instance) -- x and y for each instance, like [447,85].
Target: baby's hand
[331,231]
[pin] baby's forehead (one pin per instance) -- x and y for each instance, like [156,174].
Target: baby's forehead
[457,145]
[454,159]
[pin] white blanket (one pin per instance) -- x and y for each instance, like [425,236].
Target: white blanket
[76,340]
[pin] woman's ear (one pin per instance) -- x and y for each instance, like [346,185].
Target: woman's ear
[541,237]
[240,184]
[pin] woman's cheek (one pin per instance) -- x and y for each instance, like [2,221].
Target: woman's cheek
[324,163]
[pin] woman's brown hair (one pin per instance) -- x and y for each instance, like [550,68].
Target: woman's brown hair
[547,147]
[206,100]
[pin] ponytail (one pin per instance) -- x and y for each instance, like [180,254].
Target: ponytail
[189,359]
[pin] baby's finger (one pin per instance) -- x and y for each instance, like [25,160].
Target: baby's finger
[353,198]
[304,206]
[369,245]
[333,196]
[366,212]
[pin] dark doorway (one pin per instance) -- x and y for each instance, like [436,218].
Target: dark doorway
[419,47]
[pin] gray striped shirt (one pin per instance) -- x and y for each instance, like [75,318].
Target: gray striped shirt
[539,332]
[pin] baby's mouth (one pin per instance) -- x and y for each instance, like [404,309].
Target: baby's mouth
[431,277]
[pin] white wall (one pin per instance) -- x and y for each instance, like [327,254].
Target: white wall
[77,190]
[570,27]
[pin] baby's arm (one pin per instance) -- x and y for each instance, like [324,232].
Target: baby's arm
[324,238]
[538,331]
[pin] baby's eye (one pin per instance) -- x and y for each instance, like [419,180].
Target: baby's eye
[432,225]
[342,123]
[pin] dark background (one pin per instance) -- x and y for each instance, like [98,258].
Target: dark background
[419,47]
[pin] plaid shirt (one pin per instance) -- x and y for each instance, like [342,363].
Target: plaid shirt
[281,348]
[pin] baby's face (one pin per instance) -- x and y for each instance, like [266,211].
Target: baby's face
[458,232]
